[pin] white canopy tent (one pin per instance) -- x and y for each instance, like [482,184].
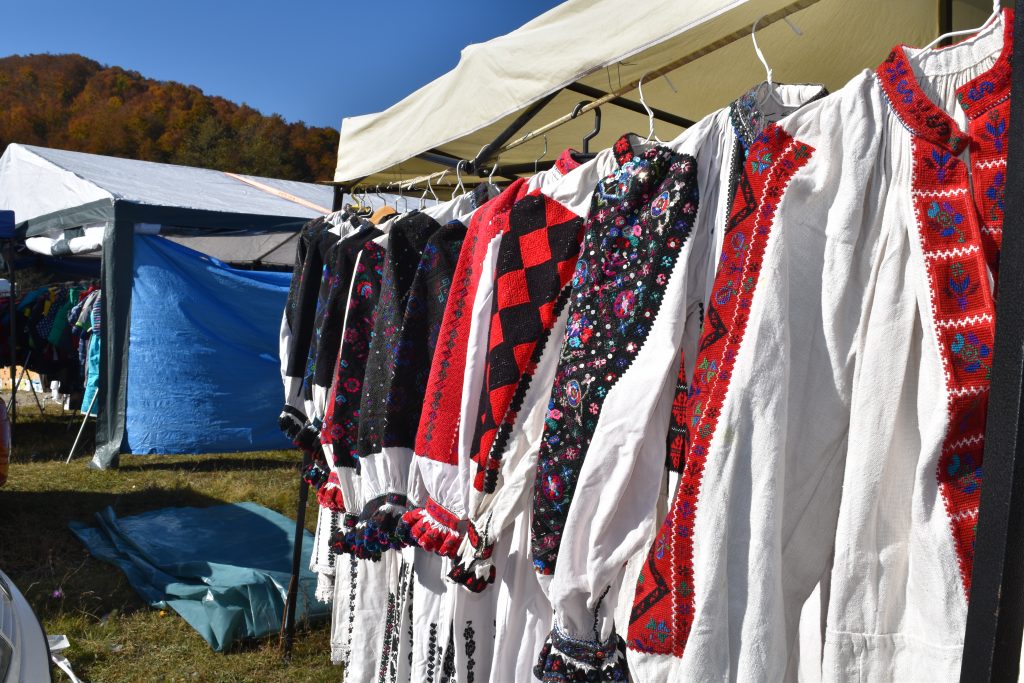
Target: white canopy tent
[69,203]
[39,183]
[591,49]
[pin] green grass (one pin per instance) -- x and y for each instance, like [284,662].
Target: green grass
[114,635]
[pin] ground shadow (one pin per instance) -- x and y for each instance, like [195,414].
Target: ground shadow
[207,464]
[49,564]
[44,439]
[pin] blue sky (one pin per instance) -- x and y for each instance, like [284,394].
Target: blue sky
[315,61]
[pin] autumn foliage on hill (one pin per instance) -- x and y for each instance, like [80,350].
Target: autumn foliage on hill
[71,102]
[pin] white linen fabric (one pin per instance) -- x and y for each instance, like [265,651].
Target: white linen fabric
[842,403]
[613,515]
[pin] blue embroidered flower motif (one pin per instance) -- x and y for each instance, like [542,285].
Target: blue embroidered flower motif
[895,70]
[553,487]
[725,293]
[761,162]
[938,161]
[996,193]
[903,88]
[980,90]
[659,628]
[966,473]
[971,352]
[996,129]
[945,219]
[960,286]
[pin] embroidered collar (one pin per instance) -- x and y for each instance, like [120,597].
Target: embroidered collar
[922,116]
[567,161]
[631,146]
[748,119]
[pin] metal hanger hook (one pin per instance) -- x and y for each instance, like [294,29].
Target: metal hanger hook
[543,154]
[597,123]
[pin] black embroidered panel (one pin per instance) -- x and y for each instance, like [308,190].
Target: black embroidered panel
[341,423]
[406,242]
[640,217]
[331,316]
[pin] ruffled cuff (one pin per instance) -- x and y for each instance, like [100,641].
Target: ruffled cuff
[434,528]
[475,569]
[329,495]
[341,541]
[567,659]
[308,438]
[377,529]
[325,588]
[316,475]
[291,421]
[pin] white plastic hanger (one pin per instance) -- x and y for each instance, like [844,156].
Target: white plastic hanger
[996,12]
[650,114]
[460,188]
[768,82]
[430,189]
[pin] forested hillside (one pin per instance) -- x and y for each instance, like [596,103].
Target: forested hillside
[71,102]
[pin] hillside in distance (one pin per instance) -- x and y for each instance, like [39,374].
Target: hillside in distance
[72,102]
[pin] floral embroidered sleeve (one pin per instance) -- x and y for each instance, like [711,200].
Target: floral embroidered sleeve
[340,432]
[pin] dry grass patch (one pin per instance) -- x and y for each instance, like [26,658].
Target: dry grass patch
[114,635]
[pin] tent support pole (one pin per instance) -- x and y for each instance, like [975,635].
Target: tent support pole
[436,157]
[287,637]
[490,149]
[995,613]
[945,21]
[527,167]
[13,305]
[339,197]
[19,377]
[659,114]
[81,429]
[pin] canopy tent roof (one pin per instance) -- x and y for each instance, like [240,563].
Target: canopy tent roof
[584,49]
[52,189]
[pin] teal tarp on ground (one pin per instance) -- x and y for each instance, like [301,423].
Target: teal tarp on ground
[225,569]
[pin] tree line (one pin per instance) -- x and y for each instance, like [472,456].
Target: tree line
[72,102]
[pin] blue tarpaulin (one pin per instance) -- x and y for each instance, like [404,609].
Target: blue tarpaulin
[224,569]
[203,370]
